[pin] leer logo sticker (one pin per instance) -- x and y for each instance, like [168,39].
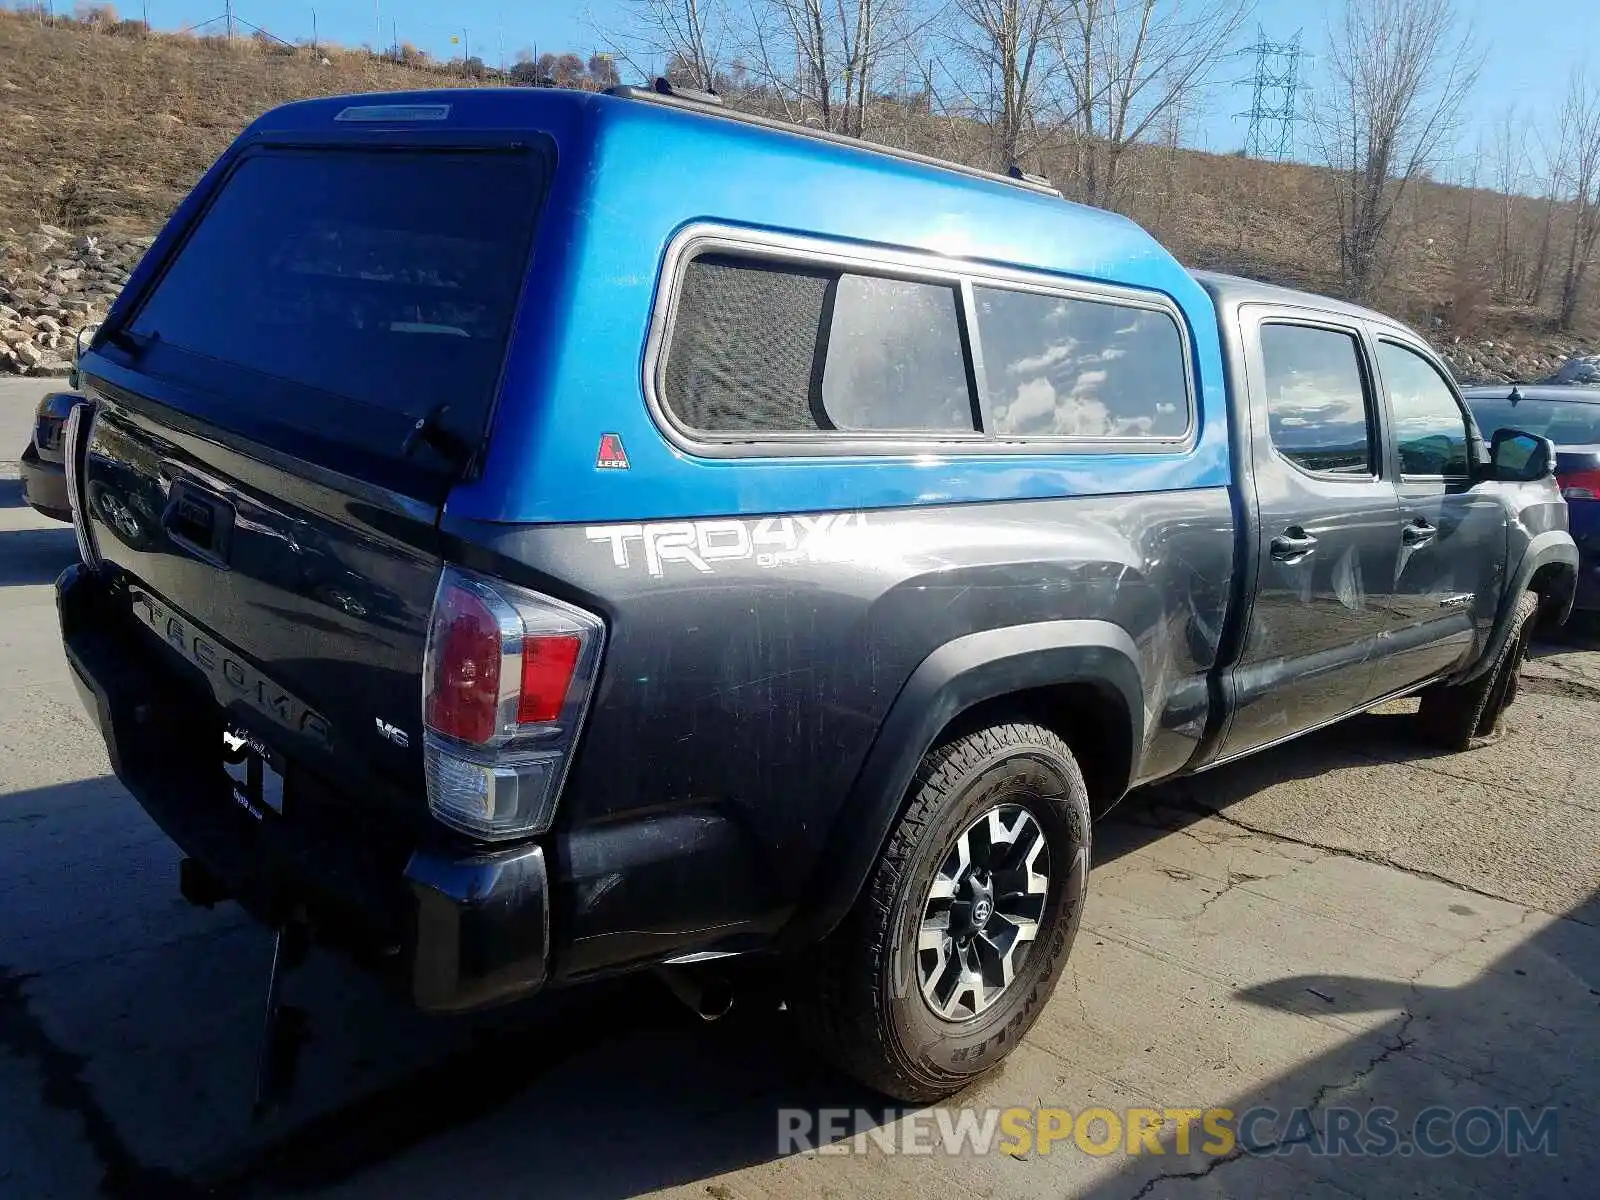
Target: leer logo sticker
[612,456]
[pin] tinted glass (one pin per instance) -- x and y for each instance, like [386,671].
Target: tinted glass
[386,282]
[895,359]
[1429,426]
[1316,400]
[766,347]
[1062,367]
[1564,423]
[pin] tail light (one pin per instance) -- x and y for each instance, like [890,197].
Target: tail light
[48,432]
[505,687]
[1580,485]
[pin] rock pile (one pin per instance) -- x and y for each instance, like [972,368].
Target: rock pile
[53,283]
[1504,362]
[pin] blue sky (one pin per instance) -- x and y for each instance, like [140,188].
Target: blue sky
[1532,43]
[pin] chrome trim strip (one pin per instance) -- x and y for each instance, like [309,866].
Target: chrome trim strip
[700,956]
[75,446]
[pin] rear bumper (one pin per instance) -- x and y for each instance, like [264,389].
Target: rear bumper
[44,484]
[1588,594]
[1587,597]
[462,929]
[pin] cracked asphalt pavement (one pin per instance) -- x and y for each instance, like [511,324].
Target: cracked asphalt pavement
[1350,921]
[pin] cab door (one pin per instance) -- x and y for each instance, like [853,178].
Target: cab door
[1453,535]
[1327,526]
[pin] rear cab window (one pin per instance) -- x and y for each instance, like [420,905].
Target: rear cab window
[328,298]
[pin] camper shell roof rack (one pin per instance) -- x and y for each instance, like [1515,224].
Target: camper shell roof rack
[663,91]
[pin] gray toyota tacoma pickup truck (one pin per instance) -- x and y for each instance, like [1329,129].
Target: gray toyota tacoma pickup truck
[530,536]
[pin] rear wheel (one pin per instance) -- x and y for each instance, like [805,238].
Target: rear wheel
[963,928]
[1469,716]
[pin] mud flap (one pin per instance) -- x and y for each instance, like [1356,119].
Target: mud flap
[285,1027]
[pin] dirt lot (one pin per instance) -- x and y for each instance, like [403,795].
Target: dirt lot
[1348,922]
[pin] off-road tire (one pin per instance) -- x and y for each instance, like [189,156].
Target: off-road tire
[1471,715]
[856,996]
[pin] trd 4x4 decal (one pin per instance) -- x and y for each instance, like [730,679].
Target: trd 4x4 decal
[770,541]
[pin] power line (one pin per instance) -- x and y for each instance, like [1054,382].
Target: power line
[1275,101]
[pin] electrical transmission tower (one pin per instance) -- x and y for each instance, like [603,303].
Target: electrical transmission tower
[231,20]
[1275,104]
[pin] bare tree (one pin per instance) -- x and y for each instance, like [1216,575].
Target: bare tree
[1509,165]
[1539,277]
[1399,72]
[1578,153]
[822,59]
[684,38]
[1547,175]
[1470,180]
[1128,64]
[603,71]
[1008,44]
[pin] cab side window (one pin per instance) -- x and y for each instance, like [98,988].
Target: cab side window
[1319,411]
[1430,427]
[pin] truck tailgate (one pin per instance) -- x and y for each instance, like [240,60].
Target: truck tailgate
[282,404]
[300,596]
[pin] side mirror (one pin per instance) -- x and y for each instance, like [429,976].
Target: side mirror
[1518,457]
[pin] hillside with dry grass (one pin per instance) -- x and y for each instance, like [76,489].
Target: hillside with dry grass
[103,134]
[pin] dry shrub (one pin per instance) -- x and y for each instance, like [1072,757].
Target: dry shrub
[1465,305]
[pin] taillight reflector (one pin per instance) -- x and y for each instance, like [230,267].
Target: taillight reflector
[547,665]
[1579,485]
[464,699]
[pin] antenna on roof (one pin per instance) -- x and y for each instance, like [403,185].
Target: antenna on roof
[1516,394]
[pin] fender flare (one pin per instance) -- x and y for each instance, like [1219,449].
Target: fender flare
[1552,546]
[957,676]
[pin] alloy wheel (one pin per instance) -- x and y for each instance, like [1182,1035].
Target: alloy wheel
[982,912]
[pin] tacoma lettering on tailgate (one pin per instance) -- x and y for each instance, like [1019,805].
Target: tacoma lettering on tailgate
[232,678]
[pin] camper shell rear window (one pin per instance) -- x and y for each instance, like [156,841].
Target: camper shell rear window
[339,295]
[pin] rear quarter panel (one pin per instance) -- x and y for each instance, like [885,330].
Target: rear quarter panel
[746,680]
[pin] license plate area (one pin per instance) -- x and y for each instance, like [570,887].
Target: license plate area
[255,771]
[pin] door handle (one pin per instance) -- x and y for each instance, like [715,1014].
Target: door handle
[1293,544]
[1418,533]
